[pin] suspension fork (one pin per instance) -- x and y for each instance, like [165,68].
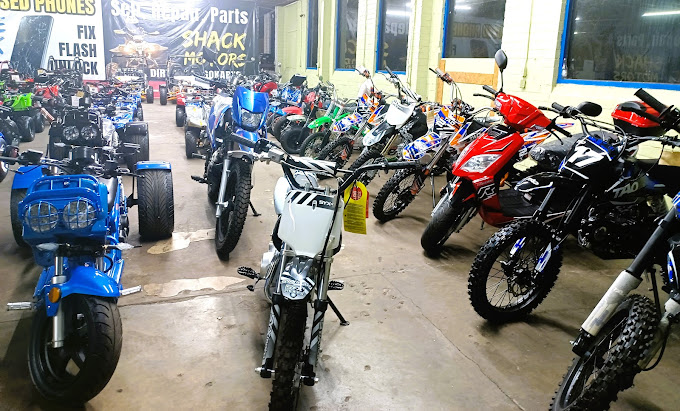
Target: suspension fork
[226,162]
[320,306]
[58,323]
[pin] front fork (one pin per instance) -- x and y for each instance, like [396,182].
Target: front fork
[221,205]
[58,326]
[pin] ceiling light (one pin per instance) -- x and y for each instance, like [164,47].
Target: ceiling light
[399,13]
[661,13]
[461,7]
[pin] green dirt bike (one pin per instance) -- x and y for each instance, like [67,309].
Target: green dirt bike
[337,110]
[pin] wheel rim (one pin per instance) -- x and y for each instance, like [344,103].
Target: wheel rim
[401,196]
[587,370]
[370,175]
[225,218]
[514,280]
[314,147]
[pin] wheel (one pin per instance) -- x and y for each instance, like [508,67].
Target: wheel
[149,95]
[592,382]
[519,263]
[54,152]
[140,114]
[368,156]
[156,204]
[78,371]
[26,128]
[229,225]
[270,118]
[142,154]
[397,193]
[449,217]
[163,95]
[39,122]
[179,116]
[292,138]
[339,151]
[277,125]
[288,357]
[16,196]
[4,167]
[313,144]
[191,136]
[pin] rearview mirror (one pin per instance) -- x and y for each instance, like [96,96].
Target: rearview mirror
[501,60]
[590,109]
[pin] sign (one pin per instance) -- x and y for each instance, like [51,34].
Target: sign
[356,208]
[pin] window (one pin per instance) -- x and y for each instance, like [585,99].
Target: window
[622,41]
[346,57]
[312,34]
[393,34]
[473,28]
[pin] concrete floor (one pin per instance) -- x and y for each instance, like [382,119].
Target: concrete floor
[193,337]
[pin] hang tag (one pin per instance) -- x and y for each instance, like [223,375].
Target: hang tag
[356,208]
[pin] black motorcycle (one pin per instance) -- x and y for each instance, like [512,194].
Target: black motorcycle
[611,199]
[625,332]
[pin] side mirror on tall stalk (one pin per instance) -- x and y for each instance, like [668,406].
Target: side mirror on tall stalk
[502,62]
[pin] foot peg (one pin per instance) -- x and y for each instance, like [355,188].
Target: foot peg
[335,285]
[131,290]
[199,179]
[24,305]
[248,272]
[197,155]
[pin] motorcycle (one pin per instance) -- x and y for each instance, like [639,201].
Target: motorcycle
[74,215]
[602,195]
[297,267]
[298,127]
[287,100]
[625,332]
[485,165]
[197,109]
[7,148]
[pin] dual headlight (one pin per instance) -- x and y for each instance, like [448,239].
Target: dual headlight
[71,133]
[42,216]
[250,120]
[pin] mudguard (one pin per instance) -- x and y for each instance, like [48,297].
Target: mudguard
[85,280]
[296,117]
[319,122]
[137,127]
[153,165]
[291,110]
[25,176]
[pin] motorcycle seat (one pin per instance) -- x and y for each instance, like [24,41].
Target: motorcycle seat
[513,204]
[112,188]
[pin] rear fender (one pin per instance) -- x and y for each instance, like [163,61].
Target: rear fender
[86,280]
[136,127]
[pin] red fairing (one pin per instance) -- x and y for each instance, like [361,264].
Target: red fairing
[268,87]
[47,92]
[634,119]
[506,147]
[519,114]
[292,110]
[311,96]
[181,99]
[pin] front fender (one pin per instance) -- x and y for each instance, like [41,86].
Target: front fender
[536,187]
[153,165]
[85,280]
[319,122]
[25,176]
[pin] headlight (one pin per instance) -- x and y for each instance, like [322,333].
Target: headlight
[79,214]
[42,217]
[249,119]
[478,164]
[71,133]
[89,133]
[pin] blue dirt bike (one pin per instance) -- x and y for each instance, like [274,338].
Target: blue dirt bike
[75,218]
[228,165]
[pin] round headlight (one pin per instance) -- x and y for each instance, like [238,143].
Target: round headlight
[88,133]
[71,133]
[79,214]
[42,217]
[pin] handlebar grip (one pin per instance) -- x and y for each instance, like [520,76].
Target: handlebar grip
[490,89]
[557,107]
[401,164]
[647,98]
[483,95]
[243,141]
[561,131]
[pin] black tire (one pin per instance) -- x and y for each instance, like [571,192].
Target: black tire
[140,113]
[191,136]
[39,122]
[179,116]
[339,151]
[54,152]
[396,194]
[156,204]
[292,138]
[277,125]
[313,144]
[229,225]
[270,119]
[93,341]
[16,196]
[149,95]
[524,282]
[449,217]
[163,95]
[141,155]
[616,352]
[368,157]
[26,128]
[4,167]
[288,355]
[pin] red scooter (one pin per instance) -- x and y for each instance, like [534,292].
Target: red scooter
[485,165]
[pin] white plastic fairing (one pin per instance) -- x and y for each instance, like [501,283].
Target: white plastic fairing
[398,113]
[305,221]
[282,187]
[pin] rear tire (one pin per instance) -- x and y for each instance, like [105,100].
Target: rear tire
[288,355]
[4,167]
[26,128]
[17,195]
[368,157]
[142,154]
[156,204]
[92,345]
[163,95]
[39,122]
[620,345]
[179,116]
[292,138]
[313,144]
[514,272]
[395,195]
[191,136]
[229,225]
[339,151]
[277,125]
[149,95]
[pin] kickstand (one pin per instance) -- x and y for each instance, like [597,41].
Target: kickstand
[255,213]
[337,312]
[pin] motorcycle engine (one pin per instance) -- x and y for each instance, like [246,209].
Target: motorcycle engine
[618,231]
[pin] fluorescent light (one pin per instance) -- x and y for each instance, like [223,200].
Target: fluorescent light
[461,7]
[661,13]
[399,13]
[577,18]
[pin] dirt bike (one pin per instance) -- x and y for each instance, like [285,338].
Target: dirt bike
[297,127]
[625,331]
[486,165]
[297,267]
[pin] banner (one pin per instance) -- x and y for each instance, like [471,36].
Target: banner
[145,34]
[51,34]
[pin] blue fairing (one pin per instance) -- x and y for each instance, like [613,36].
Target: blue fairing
[25,176]
[250,135]
[254,102]
[153,165]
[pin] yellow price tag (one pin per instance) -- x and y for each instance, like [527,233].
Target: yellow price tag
[356,209]
[80,94]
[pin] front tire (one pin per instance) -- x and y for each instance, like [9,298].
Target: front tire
[179,116]
[338,151]
[293,137]
[396,194]
[313,144]
[39,122]
[4,167]
[592,383]
[149,95]
[92,346]
[140,113]
[163,95]
[277,125]
[26,128]
[229,225]
[519,262]
[16,196]
[368,157]
[156,204]
[288,356]
[191,136]
[449,217]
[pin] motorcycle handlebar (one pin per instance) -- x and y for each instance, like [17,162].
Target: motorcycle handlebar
[647,98]
[558,107]
[243,141]
[484,95]
[490,89]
